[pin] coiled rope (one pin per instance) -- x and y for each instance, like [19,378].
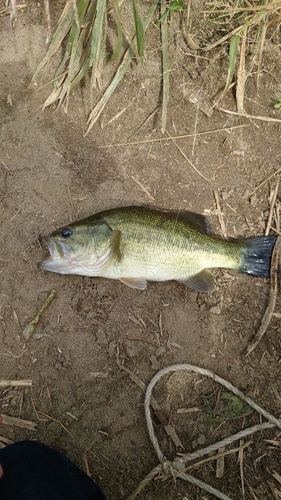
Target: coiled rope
[176,467]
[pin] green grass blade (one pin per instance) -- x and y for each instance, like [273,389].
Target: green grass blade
[81,11]
[95,113]
[233,49]
[119,43]
[126,34]
[165,66]
[64,26]
[73,68]
[138,19]
[98,41]
[150,14]
[76,44]
[85,35]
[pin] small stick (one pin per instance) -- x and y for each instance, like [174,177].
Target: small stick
[263,182]
[272,205]
[87,469]
[220,217]
[14,216]
[6,10]
[15,383]
[277,476]
[187,159]
[188,410]
[142,340]
[143,188]
[120,112]
[241,75]
[71,202]
[220,463]
[19,422]
[170,430]
[28,332]
[252,117]
[251,490]
[272,297]
[57,421]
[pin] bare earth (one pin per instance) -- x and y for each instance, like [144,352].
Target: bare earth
[84,404]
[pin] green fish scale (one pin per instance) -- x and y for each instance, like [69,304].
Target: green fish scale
[156,244]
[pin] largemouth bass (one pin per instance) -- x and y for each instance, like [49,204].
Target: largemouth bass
[136,244]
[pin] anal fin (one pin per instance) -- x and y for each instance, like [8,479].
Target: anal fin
[138,283]
[201,282]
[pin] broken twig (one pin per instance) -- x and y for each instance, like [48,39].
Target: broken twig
[272,297]
[16,383]
[19,422]
[28,332]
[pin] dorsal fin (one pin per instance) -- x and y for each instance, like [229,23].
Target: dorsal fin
[197,221]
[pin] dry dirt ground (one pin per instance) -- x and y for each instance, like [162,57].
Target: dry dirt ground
[84,404]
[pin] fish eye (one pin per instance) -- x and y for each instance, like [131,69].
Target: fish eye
[66,232]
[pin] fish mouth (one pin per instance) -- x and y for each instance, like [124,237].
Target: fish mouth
[59,260]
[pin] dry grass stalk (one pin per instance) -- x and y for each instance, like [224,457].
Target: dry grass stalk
[16,383]
[48,20]
[241,75]
[218,455]
[19,422]
[165,66]
[262,41]
[187,159]
[240,458]
[263,182]
[55,420]
[171,138]
[273,196]
[277,476]
[121,112]
[142,340]
[250,117]
[220,463]
[174,344]
[220,216]
[12,10]
[252,493]
[188,410]
[170,430]
[71,202]
[277,396]
[143,188]
[86,463]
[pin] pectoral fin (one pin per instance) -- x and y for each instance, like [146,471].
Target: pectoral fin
[115,240]
[201,282]
[138,283]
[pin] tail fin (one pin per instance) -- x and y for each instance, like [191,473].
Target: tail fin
[256,255]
